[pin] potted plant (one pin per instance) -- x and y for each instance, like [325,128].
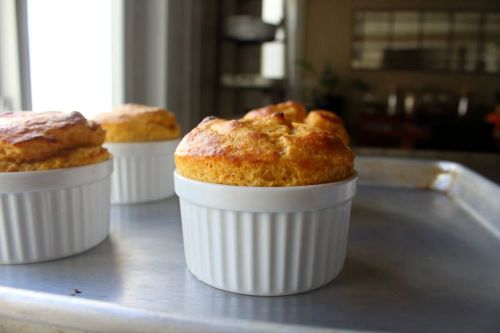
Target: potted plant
[322,90]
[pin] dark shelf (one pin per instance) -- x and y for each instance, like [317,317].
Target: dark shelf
[247,42]
[264,88]
[236,55]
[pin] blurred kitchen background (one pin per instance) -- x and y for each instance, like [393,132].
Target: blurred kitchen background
[405,76]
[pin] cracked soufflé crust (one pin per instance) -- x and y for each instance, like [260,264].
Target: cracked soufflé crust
[138,123]
[296,112]
[328,121]
[264,151]
[31,141]
[293,111]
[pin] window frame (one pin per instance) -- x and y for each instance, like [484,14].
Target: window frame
[15,86]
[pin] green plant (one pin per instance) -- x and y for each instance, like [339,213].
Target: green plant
[321,89]
[360,85]
[325,82]
[324,88]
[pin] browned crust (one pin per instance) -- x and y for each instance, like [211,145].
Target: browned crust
[293,111]
[33,137]
[138,123]
[131,111]
[267,151]
[22,126]
[328,121]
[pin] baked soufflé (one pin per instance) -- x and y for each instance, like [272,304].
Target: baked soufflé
[263,151]
[31,141]
[138,123]
[296,112]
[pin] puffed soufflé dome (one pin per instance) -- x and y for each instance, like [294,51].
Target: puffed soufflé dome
[293,111]
[328,121]
[31,141]
[296,112]
[138,123]
[262,151]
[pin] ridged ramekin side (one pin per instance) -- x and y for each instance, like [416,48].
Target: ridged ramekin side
[142,178]
[143,171]
[265,253]
[44,225]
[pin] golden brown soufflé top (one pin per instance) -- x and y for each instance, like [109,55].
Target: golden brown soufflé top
[293,111]
[31,141]
[328,121]
[296,112]
[139,123]
[264,151]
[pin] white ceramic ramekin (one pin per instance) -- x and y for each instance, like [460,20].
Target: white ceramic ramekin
[52,214]
[143,171]
[265,241]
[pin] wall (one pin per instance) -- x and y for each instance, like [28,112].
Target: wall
[169,56]
[328,39]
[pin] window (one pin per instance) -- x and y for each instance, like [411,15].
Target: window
[70,43]
[459,41]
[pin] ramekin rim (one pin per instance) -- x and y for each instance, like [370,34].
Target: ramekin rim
[267,188]
[137,143]
[47,180]
[40,172]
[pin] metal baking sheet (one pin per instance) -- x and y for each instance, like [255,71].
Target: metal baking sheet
[423,256]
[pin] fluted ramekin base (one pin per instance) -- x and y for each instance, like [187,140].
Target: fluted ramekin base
[52,223]
[264,253]
[143,171]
